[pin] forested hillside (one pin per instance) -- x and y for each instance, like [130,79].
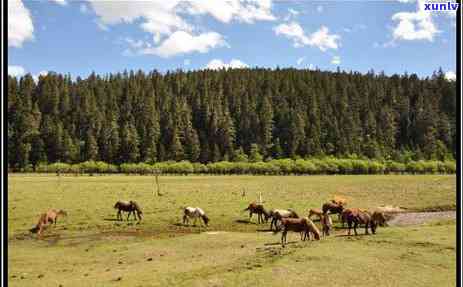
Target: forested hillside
[208,116]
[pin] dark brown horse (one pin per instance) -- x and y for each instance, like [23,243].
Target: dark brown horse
[333,208]
[130,207]
[357,216]
[262,214]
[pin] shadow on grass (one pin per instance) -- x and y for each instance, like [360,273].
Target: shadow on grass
[242,221]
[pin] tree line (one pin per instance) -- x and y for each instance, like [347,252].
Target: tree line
[210,116]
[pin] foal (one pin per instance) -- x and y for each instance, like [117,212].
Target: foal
[130,207]
[262,214]
[195,213]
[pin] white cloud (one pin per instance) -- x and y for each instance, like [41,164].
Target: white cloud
[186,62]
[451,76]
[16,71]
[20,27]
[166,20]
[217,64]
[319,8]
[292,31]
[60,2]
[300,60]
[417,25]
[336,60]
[226,10]
[157,17]
[321,38]
[182,42]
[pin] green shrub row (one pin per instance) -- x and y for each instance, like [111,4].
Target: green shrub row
[272,167]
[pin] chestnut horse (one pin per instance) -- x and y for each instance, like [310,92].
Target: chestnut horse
[51,216]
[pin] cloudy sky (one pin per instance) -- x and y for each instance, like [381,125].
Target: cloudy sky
[79,37]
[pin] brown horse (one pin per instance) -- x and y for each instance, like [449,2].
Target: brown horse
[303,225]
[262,214]
[130,207]
[357,216]
[279,214]
[49,217]
[333,208]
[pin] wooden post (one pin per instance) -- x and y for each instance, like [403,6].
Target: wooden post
[156,177]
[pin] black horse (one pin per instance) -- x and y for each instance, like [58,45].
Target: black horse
[130,207]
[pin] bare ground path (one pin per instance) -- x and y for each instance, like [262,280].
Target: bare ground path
[416,218]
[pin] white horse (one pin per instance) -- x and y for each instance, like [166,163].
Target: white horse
[195,213]
[278,214]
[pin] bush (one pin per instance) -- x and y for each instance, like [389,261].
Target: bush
[450,166]
[304,167]
[396,167]
[375,167]
[286,166]
[360,166]
[200,168]
[415,167]
[430,166]
[345,166]
[326,165]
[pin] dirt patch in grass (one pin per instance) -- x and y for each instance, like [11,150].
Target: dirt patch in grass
[417,218]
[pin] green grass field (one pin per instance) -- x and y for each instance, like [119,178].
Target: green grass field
[90,248]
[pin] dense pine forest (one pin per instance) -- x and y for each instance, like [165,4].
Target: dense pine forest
[209,116]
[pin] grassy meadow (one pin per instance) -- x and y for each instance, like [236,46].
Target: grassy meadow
[90,248]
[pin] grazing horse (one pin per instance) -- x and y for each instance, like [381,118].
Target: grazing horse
[279,214]
[195,213]
[130,207]
[363,217]
[301,225]
[51,216]
[317,212]
[312,229]
[262,214]
[345,212]
[327,224]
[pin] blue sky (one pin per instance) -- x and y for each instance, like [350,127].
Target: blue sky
[79,37]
